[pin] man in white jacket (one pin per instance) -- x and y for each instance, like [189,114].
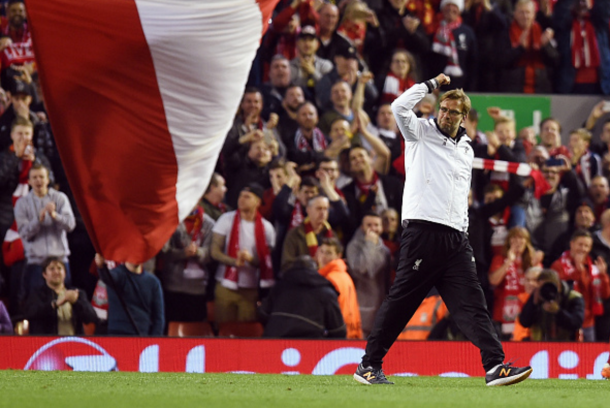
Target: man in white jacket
[434,250]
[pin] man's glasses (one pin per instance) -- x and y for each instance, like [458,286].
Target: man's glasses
[452,112]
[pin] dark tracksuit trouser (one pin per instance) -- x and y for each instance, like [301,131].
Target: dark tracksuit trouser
[435,255]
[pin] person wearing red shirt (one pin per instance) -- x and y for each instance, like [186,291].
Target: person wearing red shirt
[507,275]
[588,277]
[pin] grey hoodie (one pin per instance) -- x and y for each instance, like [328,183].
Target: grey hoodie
[46,238]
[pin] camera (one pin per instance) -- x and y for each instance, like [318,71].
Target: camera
[548,291]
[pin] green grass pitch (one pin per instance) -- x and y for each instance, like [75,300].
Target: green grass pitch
[121,389]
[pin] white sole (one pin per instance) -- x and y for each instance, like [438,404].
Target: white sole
[510,380]
[361,380]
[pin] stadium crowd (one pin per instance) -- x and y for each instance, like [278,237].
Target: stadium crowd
[300,226]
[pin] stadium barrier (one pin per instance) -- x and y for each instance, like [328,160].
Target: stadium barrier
[319,357]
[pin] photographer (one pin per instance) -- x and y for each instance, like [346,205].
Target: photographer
[553,312]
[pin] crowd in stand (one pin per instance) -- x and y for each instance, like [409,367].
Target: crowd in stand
[300,226]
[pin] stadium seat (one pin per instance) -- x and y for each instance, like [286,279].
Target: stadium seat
[22,328]
[240,329]
[190,329]
[89,329]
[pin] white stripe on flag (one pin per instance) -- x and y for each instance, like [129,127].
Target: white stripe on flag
[212,43]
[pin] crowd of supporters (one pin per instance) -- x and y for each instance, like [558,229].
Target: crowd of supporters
[300,226]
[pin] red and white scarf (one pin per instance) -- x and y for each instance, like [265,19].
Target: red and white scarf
[444,44]
[265,266]
[585,52]
[312,239]
[297,215]
[318,141]
[12,247]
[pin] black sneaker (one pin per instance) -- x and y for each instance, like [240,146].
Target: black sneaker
[370,376]
[506,374]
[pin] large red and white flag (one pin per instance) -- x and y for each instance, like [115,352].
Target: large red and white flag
[140,96]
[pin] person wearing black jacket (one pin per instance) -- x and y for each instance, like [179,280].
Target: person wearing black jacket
[480,231]
[55,309]
[302,305]
[553,315]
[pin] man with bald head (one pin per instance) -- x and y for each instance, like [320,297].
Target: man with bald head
[330,40]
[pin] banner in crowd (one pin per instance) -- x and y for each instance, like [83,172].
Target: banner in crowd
[141,95]
[525,110]
[318,357]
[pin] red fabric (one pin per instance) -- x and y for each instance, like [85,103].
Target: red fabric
[318,141]
[262,250]
[532,58]
[541,186]
[313,248]
[20,35]
[364,188]
[444,38]
[84,64]
[194,222]
[266,208]
[506,294]
[297,215]
[585,52]
[424,10]
[355,32]
[403,85]
[567,271]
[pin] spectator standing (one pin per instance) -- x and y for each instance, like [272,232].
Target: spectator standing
[53,309]
[141,295]
[333,268]
[242,243]
[369,265]
[601,247]
[588,277]
[586,164]
[526,53]
[454,47]
[330,40]
[186,268]
[507,274]
[307,68]
[400,78]
[213,198]
[44,217]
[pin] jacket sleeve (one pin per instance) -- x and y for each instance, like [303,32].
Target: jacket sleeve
[572,316]
[402,107]
[27,225]
[65,216]
[203,252]
[157,313]
[82,307]
[333,319]
[282,210]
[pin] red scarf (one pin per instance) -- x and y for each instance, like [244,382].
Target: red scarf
[585,52]
[312,239]
[318,141]
[444,44]
[12,247]
[193,224]
[364,188]
[532,58]
[394,86]
[266,268]
[297,215]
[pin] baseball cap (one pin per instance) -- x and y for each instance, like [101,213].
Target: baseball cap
[255,189]
[347,52]
[308,31]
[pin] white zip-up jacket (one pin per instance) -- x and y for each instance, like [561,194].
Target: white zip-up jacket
[438,169]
